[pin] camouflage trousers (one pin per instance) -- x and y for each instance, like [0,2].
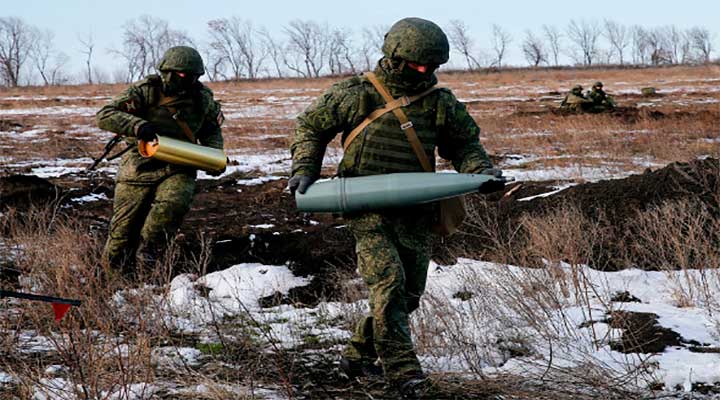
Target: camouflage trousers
[393,256]
[145,217]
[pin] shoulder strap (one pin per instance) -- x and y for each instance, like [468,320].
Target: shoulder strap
[164,101]
[405,124]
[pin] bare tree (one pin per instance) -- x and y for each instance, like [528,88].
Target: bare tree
[638,44]
[618,37]
[16,42]
[341,54]
[674,42]
[584,36]
[237,43]
[501,39]
[309,43]
[658,46]
[371,47]
[145,40]
[48,61]
[553,37]
[41,52]
[462,42]
[701,42]
[214,64]
[88,46]
[533,49]
[275,49]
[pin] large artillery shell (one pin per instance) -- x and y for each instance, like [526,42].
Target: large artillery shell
[387,191]
[179,152]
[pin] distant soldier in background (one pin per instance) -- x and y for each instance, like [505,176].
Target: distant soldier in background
[600,100]
[576,100]
[151,196]
[393,247]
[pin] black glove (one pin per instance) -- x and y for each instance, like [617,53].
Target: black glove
[496,172]
[147,132]
[300,183]
[220,172]
[216,173]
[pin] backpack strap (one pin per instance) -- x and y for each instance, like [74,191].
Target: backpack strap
[164,101]
[394,105]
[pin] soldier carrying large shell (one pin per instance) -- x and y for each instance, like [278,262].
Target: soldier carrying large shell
[392,120]
[153,196]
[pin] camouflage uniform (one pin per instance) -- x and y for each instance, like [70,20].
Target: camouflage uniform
[576,101]
[393,247]
[600,100]
[151,196]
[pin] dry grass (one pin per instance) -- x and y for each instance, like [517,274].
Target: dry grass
[108,347]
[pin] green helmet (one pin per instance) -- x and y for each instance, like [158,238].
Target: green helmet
[598,84]
[183,59]
[417,40]
[577,88]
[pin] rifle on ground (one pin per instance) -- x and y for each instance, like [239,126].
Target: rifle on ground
[60,305]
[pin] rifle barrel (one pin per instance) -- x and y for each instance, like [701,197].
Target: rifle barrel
[37,297]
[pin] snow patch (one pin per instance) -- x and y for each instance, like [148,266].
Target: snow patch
[90,198]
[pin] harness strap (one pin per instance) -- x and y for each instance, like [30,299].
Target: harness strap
[405,124]
[164,101]
[393,105]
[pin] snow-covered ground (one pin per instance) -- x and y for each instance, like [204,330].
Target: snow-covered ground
[488,318]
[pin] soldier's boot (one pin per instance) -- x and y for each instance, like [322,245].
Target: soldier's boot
[360,368]
[359,358]
[121,261]
[417,387]
[148,256]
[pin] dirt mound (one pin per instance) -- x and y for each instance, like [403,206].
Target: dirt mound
[21,191]
[628,115]
[614,204]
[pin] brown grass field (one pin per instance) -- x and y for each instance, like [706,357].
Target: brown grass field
[512,108]
[128,342]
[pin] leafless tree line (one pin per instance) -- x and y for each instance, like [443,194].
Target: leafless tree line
[234,48]
[21,43]
[581,41]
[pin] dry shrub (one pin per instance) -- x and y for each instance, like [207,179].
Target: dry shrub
[531,315]
[682,235]
[105,346]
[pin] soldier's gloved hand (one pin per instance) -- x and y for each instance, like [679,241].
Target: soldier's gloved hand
[496,172]
[220,172]
[216,173]
[147,132]
[300,183]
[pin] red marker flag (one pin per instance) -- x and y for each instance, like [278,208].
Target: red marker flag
[60,310]
[60,306]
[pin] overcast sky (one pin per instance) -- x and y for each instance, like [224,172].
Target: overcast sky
[70,18]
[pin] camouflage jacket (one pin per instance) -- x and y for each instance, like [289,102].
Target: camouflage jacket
[440,121]
[140,104]
[600,98]
[573,98]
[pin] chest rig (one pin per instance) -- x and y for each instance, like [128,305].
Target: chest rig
[380,144]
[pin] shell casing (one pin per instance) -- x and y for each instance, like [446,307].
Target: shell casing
[179,152]
[386,191]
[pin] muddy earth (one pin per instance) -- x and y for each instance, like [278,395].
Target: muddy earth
[258,223]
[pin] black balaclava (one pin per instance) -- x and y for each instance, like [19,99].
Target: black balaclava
[403,80]
[175,85]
